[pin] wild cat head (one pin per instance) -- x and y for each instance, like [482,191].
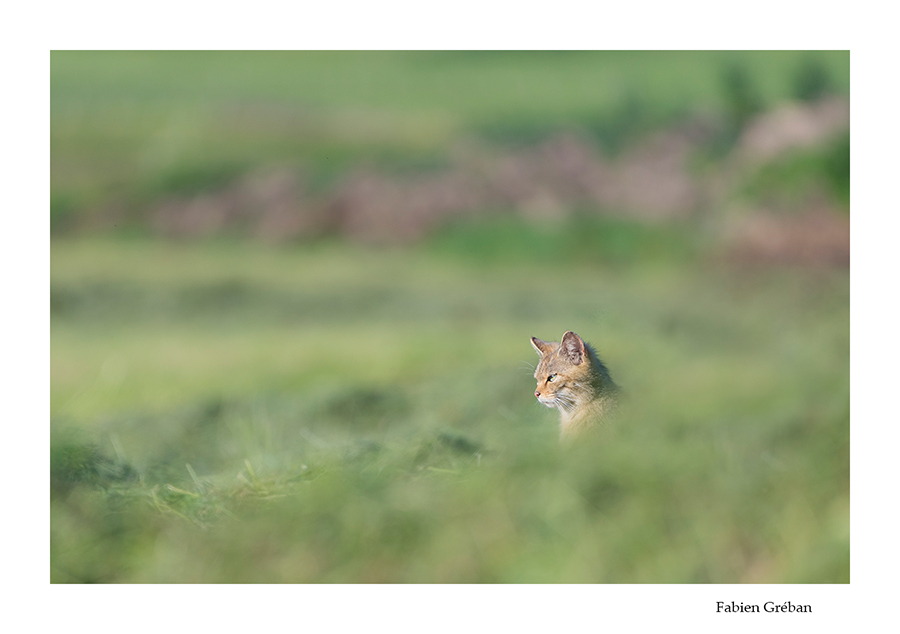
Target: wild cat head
[563,373]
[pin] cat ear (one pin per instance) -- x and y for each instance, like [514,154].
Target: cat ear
[572,347]
[541,346]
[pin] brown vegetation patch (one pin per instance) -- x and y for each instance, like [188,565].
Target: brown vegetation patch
[793,126]
[652,180]
[815,237]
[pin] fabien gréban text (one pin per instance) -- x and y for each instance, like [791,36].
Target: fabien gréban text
[768,606]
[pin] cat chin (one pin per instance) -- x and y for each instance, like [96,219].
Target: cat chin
[548,404]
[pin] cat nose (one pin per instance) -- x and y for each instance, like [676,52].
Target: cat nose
[537,393]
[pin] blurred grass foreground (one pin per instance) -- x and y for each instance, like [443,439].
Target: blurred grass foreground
[291,296]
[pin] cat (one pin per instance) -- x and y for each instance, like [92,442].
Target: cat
[571,378]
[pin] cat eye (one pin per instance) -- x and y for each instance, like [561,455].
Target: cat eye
[551,377]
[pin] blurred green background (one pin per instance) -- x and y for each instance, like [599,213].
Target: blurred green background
[291,295]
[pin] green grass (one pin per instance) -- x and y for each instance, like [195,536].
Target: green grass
[132,126]
[228,412]
[604,240]
[785,183]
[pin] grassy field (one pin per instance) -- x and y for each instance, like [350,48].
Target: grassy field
[139,125]
[230,412]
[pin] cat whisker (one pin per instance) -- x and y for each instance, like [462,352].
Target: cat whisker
[564,401]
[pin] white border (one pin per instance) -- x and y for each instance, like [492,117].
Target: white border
[169,24]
